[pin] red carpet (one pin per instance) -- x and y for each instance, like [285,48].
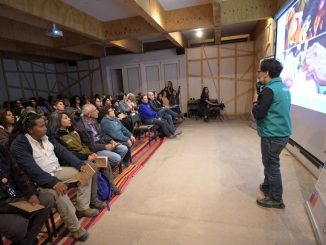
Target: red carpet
[141,152]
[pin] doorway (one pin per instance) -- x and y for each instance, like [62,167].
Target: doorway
[117,82]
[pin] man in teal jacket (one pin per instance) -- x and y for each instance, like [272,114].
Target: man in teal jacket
[271,109]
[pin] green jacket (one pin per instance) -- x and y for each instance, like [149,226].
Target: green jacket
[72,142]
[277,122]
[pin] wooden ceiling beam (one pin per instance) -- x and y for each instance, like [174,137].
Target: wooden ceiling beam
[58,54]
[217,21]
[237,11]
[91,50]
[177,39]
[131,45]
[60,13]
[127,28]
[200,16]
[155,15]
[17,31]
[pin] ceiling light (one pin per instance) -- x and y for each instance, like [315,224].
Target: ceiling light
[53,31]
[199,33]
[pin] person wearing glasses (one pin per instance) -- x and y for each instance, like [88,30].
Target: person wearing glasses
[271,109]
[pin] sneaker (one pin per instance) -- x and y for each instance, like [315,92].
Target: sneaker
[268,202]
[264,189]
[171,136]
[116,190]
[98,205]
[80,235]
[90,212]
[178,132]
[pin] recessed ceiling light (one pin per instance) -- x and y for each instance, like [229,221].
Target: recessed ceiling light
[199,33]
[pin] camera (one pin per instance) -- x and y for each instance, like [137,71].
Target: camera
[259,87]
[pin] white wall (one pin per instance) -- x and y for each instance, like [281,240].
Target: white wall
[83,78]
[147,63]
[26,79]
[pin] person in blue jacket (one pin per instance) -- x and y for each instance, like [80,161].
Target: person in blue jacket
[112,127]
[149,116]
[271,109]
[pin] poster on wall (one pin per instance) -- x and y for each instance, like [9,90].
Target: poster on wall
[316,207]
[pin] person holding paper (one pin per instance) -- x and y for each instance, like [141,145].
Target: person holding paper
[19,226]
[60,126]
[38,156]
[91,135]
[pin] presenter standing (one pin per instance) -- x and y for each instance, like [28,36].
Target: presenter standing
[271,109]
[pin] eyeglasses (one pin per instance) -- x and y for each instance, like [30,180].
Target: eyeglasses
[258,71]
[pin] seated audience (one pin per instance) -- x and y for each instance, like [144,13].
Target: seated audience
[58,105]
[91,135]
[60,126]
[7,123]
[39,158]
[33,106]
[149,116]
[112,127]
[125,119]
[15,224]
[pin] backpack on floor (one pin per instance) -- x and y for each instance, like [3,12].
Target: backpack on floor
[103,187]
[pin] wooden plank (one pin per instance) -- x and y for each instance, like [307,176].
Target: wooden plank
[200,16]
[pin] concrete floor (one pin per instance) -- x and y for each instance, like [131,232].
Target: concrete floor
[201,188]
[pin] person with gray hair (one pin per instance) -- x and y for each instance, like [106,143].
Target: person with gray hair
[91,135]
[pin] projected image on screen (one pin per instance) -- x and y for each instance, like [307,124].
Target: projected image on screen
[301,47]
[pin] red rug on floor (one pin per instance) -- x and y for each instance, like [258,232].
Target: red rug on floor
[141,152]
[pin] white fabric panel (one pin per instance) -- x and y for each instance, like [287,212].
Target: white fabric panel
[61,67]
[170,72]
[83,65]
[244,102]
[71,68]
[28,94]
[27,80]
[133,77]
[193,53]
[195,87]
[12,79]
[210,68]
[9,65]
[52,82]
[38,67]
[40,81]
[245,48]
[228,94]
[153,78]
[227,67]
[50,67]
[227,50]
[85,84]
[194,68]
[15,93]
[210,52]
[97,87]
[245,67]
[24,66]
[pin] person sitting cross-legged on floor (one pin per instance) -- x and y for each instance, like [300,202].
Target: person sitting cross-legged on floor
[91,135]
[15,224]
[61,127]
[39,158]
[149,116]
